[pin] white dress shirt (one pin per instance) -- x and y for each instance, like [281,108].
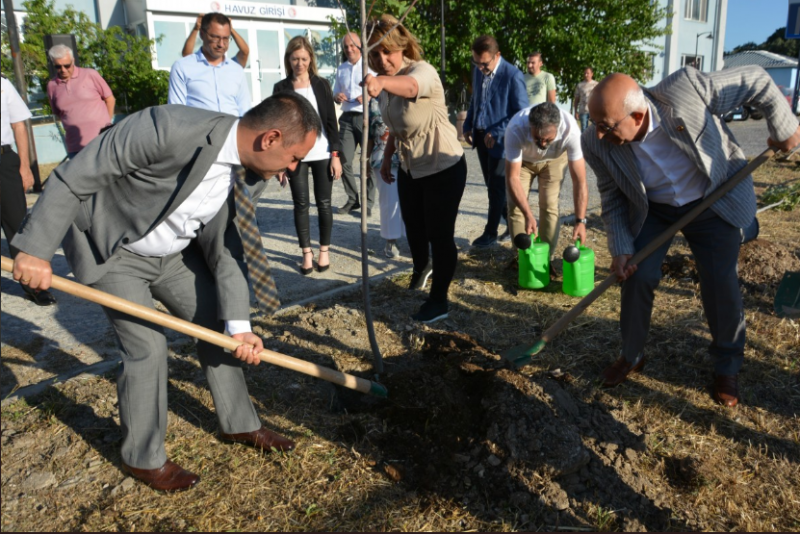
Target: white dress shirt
[669,176]
[180,227]
[320,149]
[13,110]
[348,78]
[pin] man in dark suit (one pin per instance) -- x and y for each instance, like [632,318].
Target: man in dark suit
[146,211]
[498,93]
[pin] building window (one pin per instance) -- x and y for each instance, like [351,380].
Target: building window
[692,61]
[696,10]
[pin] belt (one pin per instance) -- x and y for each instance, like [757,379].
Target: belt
[352,113]
[5,148]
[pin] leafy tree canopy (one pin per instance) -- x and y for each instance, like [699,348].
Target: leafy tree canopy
[124,60]
[776,43]
[571,34]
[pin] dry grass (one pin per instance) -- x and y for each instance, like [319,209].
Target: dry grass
[704,466]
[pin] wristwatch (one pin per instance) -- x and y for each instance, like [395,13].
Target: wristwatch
[334,153]
[579,221]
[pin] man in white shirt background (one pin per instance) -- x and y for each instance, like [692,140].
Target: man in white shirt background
[347,92]
[540,142]
[16,176]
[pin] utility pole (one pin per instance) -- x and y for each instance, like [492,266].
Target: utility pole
[443,71]
[22,88]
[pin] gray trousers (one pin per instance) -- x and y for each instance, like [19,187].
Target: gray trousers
[351,128]
[185,285]
[715,246]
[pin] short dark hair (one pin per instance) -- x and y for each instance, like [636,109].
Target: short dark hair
[534,54]
[544,115]
[290,113]
[219,18]
[485,43]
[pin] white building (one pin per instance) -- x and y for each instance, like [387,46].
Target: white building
[697,37]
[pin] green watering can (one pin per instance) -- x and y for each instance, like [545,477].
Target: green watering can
[578,270]
[534,262]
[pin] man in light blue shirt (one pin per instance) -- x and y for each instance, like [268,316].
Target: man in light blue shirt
[208,79]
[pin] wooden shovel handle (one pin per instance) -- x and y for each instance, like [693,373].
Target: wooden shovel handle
[215,338]
[652,246]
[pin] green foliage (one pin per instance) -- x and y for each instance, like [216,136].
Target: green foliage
[604,34]
[788,194]
[124,60]
[776,43]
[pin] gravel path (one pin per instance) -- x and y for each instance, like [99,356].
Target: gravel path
[43,344]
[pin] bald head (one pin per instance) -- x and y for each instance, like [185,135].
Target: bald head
[351,44]
[612,102]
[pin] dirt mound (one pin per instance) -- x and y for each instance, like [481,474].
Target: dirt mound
[764,262]
[761,264]
[460,424]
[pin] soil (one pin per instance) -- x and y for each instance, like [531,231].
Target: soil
[463,442]
[462,425]
[762,265]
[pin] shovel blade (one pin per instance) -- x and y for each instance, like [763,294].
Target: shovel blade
[787,298]
[521,355]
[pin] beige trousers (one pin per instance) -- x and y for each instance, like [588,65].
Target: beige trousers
[550,174]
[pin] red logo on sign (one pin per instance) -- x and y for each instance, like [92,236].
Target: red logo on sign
[215,6]
[292,12]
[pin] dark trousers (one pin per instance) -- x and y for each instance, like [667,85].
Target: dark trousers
[12,197]
[323,183]
[494,176]
[715,246]
[430,206]
[351,128]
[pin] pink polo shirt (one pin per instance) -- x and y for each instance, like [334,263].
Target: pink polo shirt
[78,102]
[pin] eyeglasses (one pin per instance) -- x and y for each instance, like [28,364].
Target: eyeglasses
[63,67]
[605,130]
[216,38]
[483,65]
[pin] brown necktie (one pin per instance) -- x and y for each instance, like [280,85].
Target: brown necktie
[257,265]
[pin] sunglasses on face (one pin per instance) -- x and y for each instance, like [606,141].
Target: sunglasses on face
[63,67]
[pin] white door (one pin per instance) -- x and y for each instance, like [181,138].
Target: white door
[266,51]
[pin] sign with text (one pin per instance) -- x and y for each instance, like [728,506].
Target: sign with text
[793,22]
[250,10]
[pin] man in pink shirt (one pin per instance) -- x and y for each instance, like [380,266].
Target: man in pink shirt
[80,97]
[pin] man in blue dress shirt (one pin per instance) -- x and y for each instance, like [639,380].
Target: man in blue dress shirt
[208,79]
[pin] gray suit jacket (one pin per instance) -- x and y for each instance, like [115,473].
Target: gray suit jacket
[125,183]
[689,104]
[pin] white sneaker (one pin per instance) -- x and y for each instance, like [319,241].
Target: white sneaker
[391,250]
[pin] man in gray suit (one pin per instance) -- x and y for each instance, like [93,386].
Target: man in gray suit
[146,211]
[657,153]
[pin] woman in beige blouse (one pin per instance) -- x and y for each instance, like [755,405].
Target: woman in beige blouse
[433,171]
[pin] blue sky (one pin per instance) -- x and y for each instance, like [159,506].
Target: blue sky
[753,20]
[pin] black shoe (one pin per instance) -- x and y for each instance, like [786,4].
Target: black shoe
[350,206]
[306,271]
[418,279]
[431,311]
[505,237]
[41,297]
[484,241]
[369,213]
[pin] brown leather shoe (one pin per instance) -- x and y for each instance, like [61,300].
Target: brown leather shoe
[261,439]
[726,390]
[616,373]
[168,477]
